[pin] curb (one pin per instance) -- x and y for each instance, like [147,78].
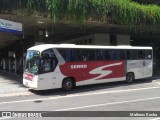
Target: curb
[16,94]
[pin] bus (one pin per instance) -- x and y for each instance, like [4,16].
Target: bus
[65,66]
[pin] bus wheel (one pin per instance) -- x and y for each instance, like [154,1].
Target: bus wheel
[67,84]
[129,77]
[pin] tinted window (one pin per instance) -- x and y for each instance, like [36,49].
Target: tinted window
[139,54]
[48,53]
[148,54]
[102,54]
[48,62]
[112,54]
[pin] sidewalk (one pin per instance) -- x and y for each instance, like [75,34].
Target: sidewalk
[11,85]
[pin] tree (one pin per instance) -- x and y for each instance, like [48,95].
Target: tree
[126,12]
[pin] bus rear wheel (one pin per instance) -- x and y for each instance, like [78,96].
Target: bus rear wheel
[67,84]
[129,77]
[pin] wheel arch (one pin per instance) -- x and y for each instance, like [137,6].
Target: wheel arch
[132,76]
[130,72]
[71,78]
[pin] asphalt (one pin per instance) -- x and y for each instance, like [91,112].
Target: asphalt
[11,85]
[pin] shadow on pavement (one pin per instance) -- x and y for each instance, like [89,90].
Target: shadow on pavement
[90,88]
[11,77]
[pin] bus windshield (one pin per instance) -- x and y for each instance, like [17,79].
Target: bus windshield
[32,61]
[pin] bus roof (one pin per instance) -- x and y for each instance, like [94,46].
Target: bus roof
[48,46]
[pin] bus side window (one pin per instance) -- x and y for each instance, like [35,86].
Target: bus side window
[47,53]
[84,55]
[100,54]
[117,54]
[46,65]
[112,54]
[68,54]
[141,55]
[148,54]
[128,55]
[103,54]
[107,55]
[48,61]
[97,56]
[78,55]
[62,52]
[91,55]
[122,54]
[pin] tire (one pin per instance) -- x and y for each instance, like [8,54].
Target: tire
[67,84]
[129,77]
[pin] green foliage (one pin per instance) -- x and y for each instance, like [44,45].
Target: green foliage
[77,10]
[124,12]
[56,8]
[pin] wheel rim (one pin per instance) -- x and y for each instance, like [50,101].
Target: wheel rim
[68,85]
[129,77]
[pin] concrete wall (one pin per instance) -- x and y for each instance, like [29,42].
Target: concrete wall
[98,39]
[102,39]
[123,40]
[85,40]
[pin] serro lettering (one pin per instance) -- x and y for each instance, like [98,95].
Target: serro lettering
[78,66]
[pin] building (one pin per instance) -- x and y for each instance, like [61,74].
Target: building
[96,29]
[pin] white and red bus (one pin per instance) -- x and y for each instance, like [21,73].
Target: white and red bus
[51,66]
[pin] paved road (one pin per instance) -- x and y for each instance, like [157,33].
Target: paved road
[143,95]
